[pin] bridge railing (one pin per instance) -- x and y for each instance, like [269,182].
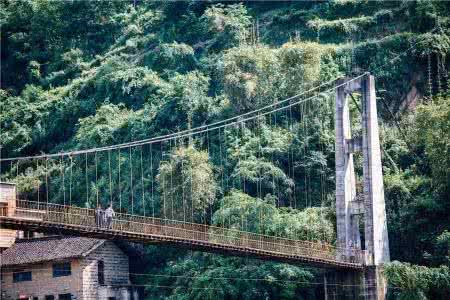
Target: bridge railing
[197,233]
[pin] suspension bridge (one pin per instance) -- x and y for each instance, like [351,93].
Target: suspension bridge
[172,188]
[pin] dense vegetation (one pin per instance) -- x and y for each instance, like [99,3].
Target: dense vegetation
[82,74]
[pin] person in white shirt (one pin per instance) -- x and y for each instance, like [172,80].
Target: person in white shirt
[109,214]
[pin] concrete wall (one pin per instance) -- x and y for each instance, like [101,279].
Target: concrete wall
[43,283]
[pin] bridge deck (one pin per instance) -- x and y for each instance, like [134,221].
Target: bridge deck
[80,221]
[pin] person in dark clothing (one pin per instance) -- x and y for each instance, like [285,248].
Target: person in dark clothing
[99,216]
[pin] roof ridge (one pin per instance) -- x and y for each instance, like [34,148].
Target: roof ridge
[49,248]
[41,238]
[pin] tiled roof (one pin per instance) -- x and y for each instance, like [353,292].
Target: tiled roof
[46,249]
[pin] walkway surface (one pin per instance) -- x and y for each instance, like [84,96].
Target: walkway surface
[52,218]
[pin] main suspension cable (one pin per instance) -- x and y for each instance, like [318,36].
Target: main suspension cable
[200,129]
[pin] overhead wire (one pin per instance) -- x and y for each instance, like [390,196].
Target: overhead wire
[118,180]
[152,180]
[172,169]
[96,179]
[37,181]
[294,187]
[70,180]
[162,178]
[86,177]
[132,274]
[182,185]
[131,180]
[188,132]
[110,179]
[63,180]
[204,128]
[142,183]
[159,138]
[46,180]
[221,178]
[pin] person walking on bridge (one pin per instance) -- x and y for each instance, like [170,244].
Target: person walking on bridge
[109,214]
[99,216]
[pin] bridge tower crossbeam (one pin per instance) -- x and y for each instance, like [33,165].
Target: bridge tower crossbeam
[349,208]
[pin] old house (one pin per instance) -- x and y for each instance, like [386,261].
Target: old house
[65,268]
[7,206]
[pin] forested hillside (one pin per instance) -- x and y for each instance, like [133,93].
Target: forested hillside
[83,74]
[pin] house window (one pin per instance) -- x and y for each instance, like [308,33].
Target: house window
[101,272]
[62,269]
[21,276]
[49,297]
[65,296]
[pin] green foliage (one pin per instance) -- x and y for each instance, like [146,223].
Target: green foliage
[42,30]
[83,74]
[432,132]
[70,66]
[227,25]
[189,92]
[241,211]
[116,81]
[312,224]
[433,43]
[23,118]
[346,26]
[414,282]
[250,72]
[207,276]
[257,160]
[187,184]
[300,62]
[175,56]
[109,122]
[443,246]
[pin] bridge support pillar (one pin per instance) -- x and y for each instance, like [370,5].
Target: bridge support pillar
[344,285]
[348,235]
[373,209]
[375,286]
[376,233]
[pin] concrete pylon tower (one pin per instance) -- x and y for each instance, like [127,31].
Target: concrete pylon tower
[348,208]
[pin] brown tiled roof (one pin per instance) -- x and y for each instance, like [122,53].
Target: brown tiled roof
[46,249]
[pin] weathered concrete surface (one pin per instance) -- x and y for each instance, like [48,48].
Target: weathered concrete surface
[348,209]
[376,234]
[347,225]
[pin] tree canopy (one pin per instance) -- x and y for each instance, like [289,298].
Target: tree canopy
[84,74]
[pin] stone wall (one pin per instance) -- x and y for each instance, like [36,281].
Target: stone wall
[116,269]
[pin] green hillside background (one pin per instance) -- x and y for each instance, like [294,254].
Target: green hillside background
[84,74]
